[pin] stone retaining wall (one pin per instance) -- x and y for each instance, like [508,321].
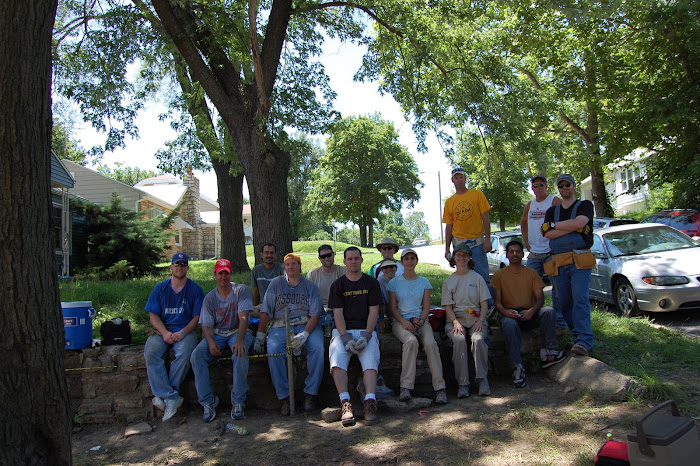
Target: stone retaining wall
[109,383]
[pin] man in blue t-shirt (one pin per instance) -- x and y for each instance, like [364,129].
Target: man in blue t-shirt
[173,306]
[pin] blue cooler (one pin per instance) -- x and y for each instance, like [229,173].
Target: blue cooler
[77,324]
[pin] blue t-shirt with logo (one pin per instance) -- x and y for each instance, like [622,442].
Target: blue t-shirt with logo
[176,310]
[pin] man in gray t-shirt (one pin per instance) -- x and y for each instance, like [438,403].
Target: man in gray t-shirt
[325,275]
[262,274]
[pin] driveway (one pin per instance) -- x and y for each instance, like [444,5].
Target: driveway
[431,254]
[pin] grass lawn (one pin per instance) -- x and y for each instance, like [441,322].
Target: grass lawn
[663,360]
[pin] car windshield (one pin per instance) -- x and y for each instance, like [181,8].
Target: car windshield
[679,222]
[646,240]
[507,239]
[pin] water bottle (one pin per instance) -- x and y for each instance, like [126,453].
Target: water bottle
[240,430]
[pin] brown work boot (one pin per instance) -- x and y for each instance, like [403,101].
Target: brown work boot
[348,417]
[284,407]
[370,411]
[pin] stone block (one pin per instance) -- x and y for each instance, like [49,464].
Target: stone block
[117,383]
[95,407]
[589,373]
[128,402]
[331,414]
[73,359]
[136,429]
[131,359]
[99,418]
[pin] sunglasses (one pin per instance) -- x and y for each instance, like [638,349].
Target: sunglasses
[538,185]
[387,248]
[325,256]
[180,264]
[564,185]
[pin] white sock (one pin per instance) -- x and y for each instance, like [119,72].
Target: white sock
[370,396]
[344,396]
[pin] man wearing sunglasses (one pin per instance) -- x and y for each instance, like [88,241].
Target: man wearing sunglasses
[569,228]
[325,275]
[173,307]
[538,246]
[387,247]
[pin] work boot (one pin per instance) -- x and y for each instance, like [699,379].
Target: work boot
[579,350]
[348,417]
[284,406]
[370,411]
[309,402]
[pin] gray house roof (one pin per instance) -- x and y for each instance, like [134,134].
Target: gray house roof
[98,188]
[60,177]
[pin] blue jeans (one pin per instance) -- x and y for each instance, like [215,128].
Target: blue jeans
[538,266]
[163,385]
[201,357]
[512,332]
[572,289]
[315,352]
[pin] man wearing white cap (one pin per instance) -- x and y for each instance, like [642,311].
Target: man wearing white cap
[387,247]
[224,320]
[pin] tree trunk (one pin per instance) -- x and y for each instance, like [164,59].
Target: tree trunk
[35,415]
[363,234]
[231,215]
[600,198]
[370,239]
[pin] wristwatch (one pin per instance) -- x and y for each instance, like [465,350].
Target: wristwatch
[551,225]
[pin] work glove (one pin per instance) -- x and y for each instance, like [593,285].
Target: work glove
[299,339]
[361,343]
[586,229]
[259,342]
[546,226]
[348,343]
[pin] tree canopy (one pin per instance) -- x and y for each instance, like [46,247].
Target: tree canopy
[364,170]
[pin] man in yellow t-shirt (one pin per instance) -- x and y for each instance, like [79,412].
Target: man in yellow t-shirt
[466,219]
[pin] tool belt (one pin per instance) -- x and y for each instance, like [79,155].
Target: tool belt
[583,259]
[298,320]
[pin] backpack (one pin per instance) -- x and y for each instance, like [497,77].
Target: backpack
[116,332]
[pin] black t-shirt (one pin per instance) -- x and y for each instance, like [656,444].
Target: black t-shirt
[355,298]
[584,208]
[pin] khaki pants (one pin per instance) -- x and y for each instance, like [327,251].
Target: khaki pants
[409,353]
[480,350]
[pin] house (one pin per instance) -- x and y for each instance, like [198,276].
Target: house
[61,182]
[619,178]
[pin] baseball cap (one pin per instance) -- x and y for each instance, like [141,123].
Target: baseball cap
[457,170]
[387,263]
[463,248]
[222,264]
[180,257]
[566,177]
[293,256]
[408,251]
[541,177]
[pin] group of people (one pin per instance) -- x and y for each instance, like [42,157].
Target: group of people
[557,232]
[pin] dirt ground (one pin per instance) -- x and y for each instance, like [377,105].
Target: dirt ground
[543,423]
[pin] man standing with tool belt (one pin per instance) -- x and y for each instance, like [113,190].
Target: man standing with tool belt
[538,246]
[224,321]
[569,228]
[355,298]
[303,300]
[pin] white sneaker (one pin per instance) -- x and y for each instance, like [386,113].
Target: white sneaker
[171,407]
[463,391]
[158,403]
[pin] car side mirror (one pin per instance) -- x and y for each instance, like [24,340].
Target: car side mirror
[599,255]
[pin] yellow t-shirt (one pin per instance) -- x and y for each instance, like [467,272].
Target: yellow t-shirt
[517,286]
[463,212]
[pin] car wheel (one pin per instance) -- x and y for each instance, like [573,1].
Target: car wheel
[625,298]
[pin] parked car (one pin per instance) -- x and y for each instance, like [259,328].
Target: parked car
[685,220]
[420,242]
[651,268]
[604,222]
[497,256]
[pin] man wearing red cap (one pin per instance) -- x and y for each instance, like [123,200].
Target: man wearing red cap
[224,320]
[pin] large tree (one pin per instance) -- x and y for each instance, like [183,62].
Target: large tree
[35,415]
[364,171]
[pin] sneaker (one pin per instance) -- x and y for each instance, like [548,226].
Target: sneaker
[484,389]
[158,403]
[309,402]
[441,397]
[579,350]
[284,407]
[405,394]
[171,407]
[237,412]
[519,377]
[210,410]
[348,417]
[551,358]
[559,331]
[370,411]
[463,391]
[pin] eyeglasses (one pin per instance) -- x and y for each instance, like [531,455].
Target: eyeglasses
[387,248]
[325,256]
[564,185]
[538,185]
[180,264]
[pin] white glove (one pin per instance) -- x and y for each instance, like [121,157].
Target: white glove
[299,339]
[259,341]
[361,343]
[348,343]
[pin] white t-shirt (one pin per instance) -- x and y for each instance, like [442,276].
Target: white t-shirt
[535,218]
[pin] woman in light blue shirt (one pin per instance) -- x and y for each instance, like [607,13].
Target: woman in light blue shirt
[409,303]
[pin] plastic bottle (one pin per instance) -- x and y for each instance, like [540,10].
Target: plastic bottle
[609,437]
[240,430]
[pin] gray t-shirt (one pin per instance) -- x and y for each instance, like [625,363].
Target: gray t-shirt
[260,277]
[222,313]
[303,299]
[324,280]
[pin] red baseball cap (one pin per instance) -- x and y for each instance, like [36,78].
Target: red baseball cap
[222,264]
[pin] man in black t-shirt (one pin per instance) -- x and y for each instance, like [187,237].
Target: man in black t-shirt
[355,298]
[569,228]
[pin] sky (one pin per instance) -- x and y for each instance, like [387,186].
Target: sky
[341,62]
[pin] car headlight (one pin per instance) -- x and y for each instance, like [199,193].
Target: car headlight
[666,281]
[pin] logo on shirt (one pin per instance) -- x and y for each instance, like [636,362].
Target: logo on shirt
[464,210]
[355,293]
